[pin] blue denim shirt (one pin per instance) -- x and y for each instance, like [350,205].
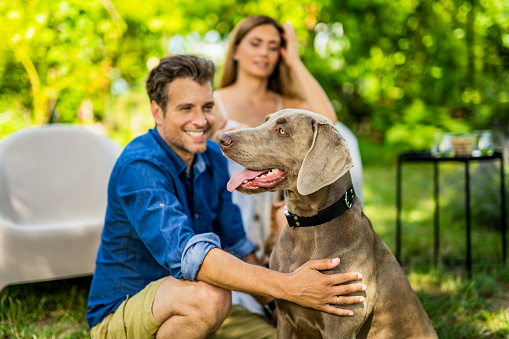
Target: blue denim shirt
[160,222]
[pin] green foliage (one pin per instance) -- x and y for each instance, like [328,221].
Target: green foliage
[396,71]
[410,68]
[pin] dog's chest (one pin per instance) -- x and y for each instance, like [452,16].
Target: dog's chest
[300,322]
[298,245]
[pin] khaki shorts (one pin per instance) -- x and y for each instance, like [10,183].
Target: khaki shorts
[133,318]
[242,324]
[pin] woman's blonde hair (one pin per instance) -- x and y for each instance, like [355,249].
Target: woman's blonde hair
[280,81]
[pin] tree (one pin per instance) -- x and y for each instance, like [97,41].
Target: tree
[396,71]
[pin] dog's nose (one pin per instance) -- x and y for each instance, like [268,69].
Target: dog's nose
[225,140]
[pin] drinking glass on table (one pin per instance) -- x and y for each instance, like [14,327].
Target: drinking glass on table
[485,143]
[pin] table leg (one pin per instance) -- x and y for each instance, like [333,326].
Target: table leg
[467,216]
[503,224]
[436,244]
[398,211]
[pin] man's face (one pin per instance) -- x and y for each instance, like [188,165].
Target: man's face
[189,116]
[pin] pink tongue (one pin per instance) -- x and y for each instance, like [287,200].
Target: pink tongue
[238,178]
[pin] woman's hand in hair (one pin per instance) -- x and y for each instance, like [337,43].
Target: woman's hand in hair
[290,52]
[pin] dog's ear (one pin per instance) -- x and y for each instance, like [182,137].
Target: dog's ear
[327,160]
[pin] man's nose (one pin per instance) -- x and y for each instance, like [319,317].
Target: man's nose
[199,117]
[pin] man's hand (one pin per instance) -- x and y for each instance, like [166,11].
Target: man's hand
[310,288]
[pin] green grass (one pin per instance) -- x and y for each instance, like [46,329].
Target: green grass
[463,308]
[53,309]
[458,307]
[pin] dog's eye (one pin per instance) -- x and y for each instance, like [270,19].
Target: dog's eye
[281,130]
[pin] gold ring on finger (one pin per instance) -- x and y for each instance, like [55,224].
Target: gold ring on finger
[337,300]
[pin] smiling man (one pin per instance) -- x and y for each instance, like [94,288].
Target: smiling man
[173,246]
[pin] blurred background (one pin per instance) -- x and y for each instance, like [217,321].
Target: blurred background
[396,71]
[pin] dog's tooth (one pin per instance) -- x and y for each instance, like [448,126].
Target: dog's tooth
[269,173]
[245,181]
[257,177]
[275,170]
[263,176]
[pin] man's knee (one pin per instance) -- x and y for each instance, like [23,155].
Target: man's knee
[199,303]
[214,304]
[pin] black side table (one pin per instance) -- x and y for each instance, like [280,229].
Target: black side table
[427,157]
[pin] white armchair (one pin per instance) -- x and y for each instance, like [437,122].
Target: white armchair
[53,191]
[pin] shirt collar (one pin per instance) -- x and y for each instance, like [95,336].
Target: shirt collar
[200,161]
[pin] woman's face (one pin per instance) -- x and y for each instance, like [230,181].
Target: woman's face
[258,52]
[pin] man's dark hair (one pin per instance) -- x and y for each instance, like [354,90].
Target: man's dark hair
[177,67]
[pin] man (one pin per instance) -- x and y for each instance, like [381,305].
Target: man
[170,248]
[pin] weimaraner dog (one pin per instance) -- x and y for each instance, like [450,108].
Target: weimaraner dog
[303,154]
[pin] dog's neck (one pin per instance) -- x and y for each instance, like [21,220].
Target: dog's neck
[309,205]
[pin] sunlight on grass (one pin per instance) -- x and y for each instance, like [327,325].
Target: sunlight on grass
[497,322]
[462,308]
[418,215]
[379,203]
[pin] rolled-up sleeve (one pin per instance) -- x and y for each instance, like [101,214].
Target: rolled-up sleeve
[242,247]
[195,251]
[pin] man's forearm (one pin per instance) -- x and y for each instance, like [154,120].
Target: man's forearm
[228,272]
[252,259]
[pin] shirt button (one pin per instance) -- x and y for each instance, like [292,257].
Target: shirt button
[196,216]
[256,217]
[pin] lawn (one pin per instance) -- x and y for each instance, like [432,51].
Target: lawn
[458,307]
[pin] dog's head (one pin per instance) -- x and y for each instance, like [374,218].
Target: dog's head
[294,150]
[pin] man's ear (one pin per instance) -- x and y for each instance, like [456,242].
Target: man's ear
[157,112]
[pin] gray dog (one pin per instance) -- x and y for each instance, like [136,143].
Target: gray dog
[303,154]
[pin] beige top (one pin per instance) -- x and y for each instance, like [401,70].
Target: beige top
[232,123]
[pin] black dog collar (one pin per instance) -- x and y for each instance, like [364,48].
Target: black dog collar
[335,210]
